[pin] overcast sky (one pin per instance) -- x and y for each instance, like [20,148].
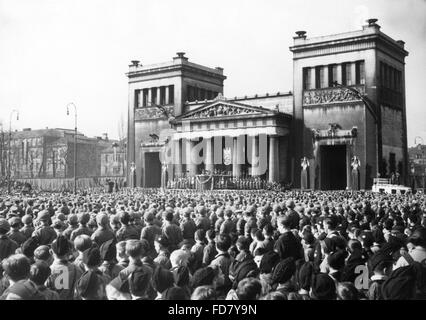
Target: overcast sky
[53,52]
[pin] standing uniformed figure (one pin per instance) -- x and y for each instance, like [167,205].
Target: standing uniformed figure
[304,174]
[355,164]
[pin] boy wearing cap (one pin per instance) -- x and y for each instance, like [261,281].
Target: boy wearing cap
[7,246]
[83,220]
[163,258]
[72,225]
[171,231]
[103,233]
[39,273]
[381,266]
[150,232]
[209,251]
[92,283]
[44,233]
[14,233]
[28,227]
[108,252]
[65,275]
[127,231]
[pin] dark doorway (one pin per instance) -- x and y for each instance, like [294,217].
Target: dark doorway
[333,167]
[152,170]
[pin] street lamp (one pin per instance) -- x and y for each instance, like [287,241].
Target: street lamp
[370,106]
[10,150]
[75,143]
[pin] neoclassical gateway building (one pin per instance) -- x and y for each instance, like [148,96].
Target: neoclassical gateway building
[347,106]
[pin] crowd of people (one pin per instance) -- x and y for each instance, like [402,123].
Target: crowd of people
[151,244]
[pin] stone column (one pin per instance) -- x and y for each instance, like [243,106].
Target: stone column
[177,157]
[236,161]
[353,72]
[157,98]
[325,70]
[191,166]
[313,77]
[254,157]
[149,99]
[208,158]
[273,159]
[339,73]
[166,94]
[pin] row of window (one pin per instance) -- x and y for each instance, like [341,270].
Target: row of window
[160,95]
[325,76]
[199,94]
[390,77]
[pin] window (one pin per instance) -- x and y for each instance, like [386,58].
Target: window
[360,72]
[162,95]
[171,94]
[307,78]
[153,95]
[346,74]
[317,77]
[332,74]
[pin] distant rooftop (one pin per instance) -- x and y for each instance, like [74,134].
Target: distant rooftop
[178,61]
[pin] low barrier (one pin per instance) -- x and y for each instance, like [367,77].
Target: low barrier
[63,184]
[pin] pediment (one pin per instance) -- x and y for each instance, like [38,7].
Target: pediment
[224,109]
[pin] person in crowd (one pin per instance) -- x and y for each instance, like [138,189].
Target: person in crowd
[28,227]
[7,246]
[103,233]
[17,271]
[44,232]
[64,274]
[39,273]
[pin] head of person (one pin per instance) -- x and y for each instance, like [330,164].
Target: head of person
[330,224]
[179,258]
[162,279]
[4,226]
[258,255]
[381,263]
[39,272]
[210,235]
[223,242]
[175,293]
[243,244]
[16,267]
[89,286]
[283,271]
[61,247]
[249,289]
[323,287]
[283,223]
[139,283]
[204,293]
[200,235]
[418,237]
[102,220]
[161,243]
[43,254]
[347,291]
[134,249]
[121,251]
[305,276]
[274,295]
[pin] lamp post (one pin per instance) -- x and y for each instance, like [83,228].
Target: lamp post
[75,143]
[370,106]
[10,149]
